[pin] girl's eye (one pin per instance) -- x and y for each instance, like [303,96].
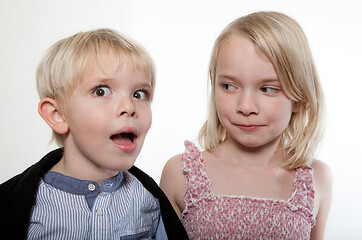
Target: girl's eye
[228,87]
[101,91]
[141,95]
[269,90]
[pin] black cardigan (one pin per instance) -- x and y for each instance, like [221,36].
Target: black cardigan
[17,196]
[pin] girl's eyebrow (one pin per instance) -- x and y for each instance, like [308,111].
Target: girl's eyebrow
[270,80]
[227,76]
[232,78]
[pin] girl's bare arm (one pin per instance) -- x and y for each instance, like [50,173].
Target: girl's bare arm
[173,183]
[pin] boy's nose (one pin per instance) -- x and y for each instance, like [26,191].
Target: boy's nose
[126,107]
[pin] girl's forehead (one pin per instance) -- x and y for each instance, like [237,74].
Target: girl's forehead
[241,52]
[246,40]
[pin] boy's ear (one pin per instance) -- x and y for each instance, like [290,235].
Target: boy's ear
[297,106]
[49,110]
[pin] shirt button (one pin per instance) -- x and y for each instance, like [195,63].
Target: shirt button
[91,187]
[99,212]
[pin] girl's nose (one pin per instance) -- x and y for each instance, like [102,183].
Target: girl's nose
[247,104]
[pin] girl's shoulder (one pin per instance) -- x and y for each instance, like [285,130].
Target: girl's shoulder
[173,182]
[175,163]
[173,166]
[322,174]
[323,186]
[323,182]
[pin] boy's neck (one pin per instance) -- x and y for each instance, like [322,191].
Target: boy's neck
[81,172]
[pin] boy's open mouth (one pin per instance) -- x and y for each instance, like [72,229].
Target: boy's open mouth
[124,138]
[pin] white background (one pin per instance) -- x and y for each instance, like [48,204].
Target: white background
[179,35]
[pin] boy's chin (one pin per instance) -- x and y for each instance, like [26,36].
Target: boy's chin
[127,163]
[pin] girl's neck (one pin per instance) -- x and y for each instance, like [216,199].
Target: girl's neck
[258,158]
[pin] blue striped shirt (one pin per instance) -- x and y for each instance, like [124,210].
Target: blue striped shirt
[69,208]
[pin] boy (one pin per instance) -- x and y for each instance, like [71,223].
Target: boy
[95,88]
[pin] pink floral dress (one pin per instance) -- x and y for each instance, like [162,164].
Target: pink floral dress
[209,216]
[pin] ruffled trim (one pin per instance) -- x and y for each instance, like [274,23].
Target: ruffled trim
[198,186]
[303,197]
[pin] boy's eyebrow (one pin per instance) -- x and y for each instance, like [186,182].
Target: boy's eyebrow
[100,80]
[145,83]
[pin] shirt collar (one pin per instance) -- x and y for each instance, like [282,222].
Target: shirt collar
[90,189]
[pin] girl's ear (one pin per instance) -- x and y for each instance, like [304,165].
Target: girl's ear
[297,106]
[49,110]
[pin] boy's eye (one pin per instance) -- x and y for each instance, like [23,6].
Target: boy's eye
[269,90]
[141,94]
[101,91]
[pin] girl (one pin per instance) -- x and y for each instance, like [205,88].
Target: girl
[257,177]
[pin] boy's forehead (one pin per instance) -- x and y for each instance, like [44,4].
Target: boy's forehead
[106,67]
[112,60]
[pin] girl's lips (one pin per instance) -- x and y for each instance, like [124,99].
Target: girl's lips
[250,127]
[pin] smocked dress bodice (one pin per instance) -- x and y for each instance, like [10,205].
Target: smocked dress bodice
[209,216]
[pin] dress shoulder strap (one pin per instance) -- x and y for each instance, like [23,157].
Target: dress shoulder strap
[191,158]
[197,184]
[303,197]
